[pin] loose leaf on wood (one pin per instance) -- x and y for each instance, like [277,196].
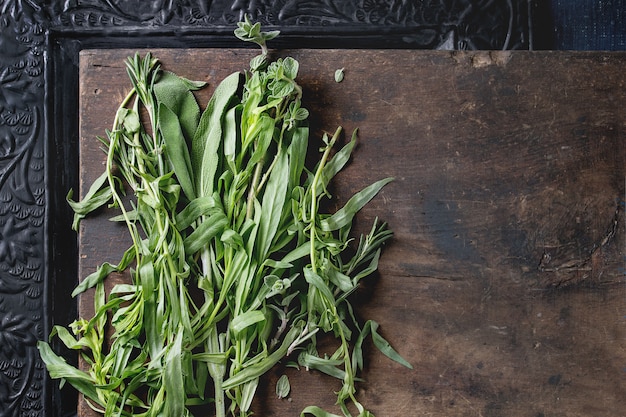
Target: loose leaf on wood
[283,387]
[380,342]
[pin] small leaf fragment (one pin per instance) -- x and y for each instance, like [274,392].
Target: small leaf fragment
[283,387]
[339,74]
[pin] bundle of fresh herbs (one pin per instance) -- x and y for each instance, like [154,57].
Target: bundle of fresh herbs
[225,207]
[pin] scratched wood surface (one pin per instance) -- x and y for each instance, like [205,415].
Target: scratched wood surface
[504,284]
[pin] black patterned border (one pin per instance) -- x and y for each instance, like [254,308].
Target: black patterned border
[39,43]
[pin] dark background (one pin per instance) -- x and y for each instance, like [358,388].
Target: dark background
[596,25]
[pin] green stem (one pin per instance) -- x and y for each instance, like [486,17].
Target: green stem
[349,372]
[316,179]
[252,191]
[113,144]
[217,373]
[220,399]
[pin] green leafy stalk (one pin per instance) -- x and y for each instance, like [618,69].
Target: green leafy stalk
[151,317]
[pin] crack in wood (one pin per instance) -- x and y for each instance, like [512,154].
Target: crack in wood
[585,271]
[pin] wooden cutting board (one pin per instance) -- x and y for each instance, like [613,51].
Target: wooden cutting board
[504,284]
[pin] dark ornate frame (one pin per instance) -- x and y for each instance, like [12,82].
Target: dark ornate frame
[39,45]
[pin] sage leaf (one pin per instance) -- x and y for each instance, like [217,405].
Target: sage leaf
[174,92]
[208,135]
[176,149]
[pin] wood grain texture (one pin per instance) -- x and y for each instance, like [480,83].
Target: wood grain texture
[504,283]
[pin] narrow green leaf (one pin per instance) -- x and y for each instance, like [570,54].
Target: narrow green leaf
[151,319]
[98,195]
[259,368]
[218,358]
[232,238]
[370,269]
[95,277]
[277,264]
[67,338]
[247,394]
[201,206]
[345,214]
[317,412]
[231,134]
[202,377]
[185,314]
[385,347]
[273,203]
[176,149]
[173,378]
[207,230]
[298,253]
[317,282]
[123,289]
[245,281]
[58,368]
[131,215]
[297,155]
[262,133]
[338,161]
[121,356]
[111,402]
[342,281]
[326,365]
[245,320]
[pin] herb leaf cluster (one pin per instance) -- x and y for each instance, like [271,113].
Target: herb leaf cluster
[233,266]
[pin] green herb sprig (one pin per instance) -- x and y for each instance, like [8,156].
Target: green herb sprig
[224,208]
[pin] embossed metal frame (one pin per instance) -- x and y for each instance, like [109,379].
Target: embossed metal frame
[39,46]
